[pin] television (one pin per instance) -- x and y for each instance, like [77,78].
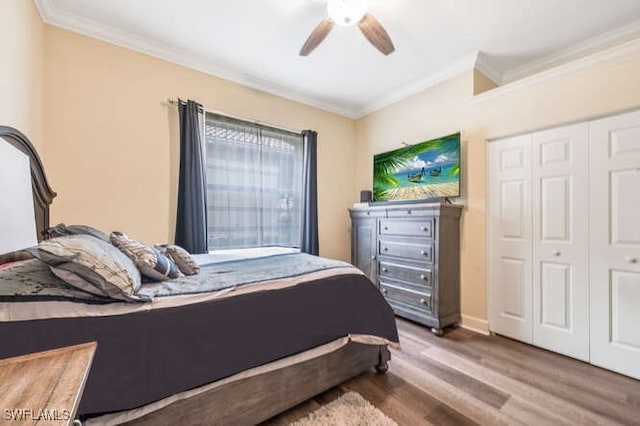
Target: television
[427,170]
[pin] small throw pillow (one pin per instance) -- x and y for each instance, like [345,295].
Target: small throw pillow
[151,262]
[61,230]
[181,257]
[91,265]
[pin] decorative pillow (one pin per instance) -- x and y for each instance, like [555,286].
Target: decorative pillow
[91,265]
[151,262]
[181,257]
[61,230]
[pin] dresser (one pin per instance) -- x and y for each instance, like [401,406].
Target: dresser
[412,253]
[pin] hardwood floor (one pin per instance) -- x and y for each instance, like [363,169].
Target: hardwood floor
[465,378]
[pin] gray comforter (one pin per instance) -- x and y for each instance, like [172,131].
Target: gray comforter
[33,281]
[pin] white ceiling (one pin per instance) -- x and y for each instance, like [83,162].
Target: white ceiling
[256,42]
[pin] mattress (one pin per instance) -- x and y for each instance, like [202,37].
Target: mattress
[147,352]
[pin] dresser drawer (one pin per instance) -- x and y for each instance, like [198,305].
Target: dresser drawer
[412,228]
[418,276]
[422,251]
[405,297]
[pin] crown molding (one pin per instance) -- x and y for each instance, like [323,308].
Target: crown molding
[467,63]
[588,47]
[616,54]
[124,39]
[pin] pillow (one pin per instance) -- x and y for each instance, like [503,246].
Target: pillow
[181,257]
[91,265]
[150,261]
[61,230]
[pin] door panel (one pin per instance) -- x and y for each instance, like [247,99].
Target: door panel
[625,206]
[625,315]
[615,243]
[555,296]
[555,205]
[560,245]
[509,195]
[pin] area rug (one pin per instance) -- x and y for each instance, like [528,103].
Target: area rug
[351,409]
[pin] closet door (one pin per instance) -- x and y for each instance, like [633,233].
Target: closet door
[615,243]
[509,169]
[560,240]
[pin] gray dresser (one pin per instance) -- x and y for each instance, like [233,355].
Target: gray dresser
[412,253]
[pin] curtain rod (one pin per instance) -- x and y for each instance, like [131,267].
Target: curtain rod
[235,117]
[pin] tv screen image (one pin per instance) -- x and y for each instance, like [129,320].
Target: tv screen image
[426,170]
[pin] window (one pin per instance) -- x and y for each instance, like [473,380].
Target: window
[254,184]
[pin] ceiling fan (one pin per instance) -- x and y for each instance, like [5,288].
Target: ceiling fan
[347,13]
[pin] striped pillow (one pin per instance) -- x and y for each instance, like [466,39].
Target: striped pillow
[181,257]
[91,265]
[150,261]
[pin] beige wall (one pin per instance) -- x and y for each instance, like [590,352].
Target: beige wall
[450,107]
[21,71]
[112,145]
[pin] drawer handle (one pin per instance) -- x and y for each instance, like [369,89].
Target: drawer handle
[423,301]
[423,228]
[386,249]
[386,228]
[557,253]
[384,269]
[630,259]
[423,277]
[422,252]
[384,290]
[373,257]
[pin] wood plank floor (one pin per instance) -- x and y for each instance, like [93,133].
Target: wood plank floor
[465,378]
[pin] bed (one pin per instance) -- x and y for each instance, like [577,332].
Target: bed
[251,337]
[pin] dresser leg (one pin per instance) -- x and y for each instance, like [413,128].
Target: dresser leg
[437,331]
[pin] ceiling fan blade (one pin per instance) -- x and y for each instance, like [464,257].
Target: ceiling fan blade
[316,36]
[376,34]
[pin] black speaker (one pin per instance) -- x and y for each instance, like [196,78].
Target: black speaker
[365,196]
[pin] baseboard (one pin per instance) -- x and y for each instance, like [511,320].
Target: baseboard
[475,324]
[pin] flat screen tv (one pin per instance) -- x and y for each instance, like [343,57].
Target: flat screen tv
[425,171]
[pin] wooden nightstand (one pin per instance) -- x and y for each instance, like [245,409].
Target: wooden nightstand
[44,387]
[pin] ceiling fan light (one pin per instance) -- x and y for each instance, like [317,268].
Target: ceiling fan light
[346,12]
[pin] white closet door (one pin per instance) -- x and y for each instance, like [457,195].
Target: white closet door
[510,237]
[615,243]
[560,240]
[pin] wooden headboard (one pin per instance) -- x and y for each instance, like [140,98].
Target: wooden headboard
[42,193]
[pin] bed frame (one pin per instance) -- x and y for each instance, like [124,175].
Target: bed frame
[246,401]
[43,195]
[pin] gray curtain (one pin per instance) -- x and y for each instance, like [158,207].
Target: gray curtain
[191,220]
[310,243]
